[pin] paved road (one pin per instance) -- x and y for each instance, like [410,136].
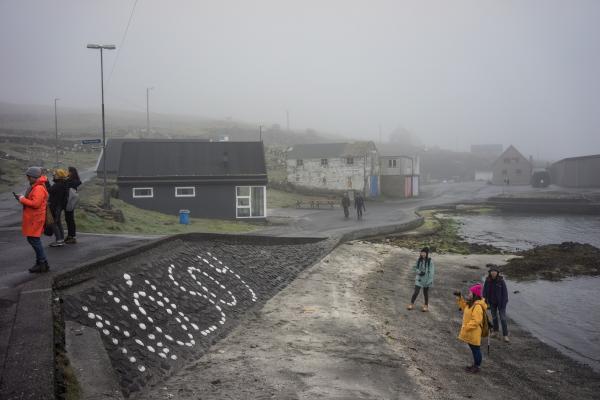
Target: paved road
[18,256]
[327,222]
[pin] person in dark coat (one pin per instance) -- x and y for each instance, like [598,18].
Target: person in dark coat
[346,205]
[58,195]
[495,294]
[73,182]
[359,204]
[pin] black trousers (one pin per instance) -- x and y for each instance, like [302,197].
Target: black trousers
[416,293]
[71,228]
[57,227]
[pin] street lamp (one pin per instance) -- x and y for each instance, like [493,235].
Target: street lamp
[56,130]
[101,47]
[148,110]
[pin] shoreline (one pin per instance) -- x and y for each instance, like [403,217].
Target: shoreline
[341,330]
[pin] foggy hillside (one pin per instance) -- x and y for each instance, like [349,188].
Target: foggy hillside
[79,122]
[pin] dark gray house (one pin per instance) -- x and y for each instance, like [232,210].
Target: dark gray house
[211,179]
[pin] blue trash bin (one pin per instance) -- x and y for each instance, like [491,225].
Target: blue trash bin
[184,217]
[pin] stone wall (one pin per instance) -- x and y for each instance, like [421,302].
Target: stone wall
[161,308]
[337,175]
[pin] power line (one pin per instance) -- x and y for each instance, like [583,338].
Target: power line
[119,48]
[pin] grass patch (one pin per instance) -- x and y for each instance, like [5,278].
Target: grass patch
[439,232]
[21,156]
[90,218]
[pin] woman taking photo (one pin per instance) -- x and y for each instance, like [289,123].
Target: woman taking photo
[473,308]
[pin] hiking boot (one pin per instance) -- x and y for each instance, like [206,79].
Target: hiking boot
[425,308]
[71,240]
[39,268]
[473,370]
[410,307]
[506,339]
[58,243]
[469,368]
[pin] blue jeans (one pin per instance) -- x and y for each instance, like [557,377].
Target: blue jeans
[36,243]
[495,309]
[476,350]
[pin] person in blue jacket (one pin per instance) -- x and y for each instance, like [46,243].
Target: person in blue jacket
[495,294]
[425,271]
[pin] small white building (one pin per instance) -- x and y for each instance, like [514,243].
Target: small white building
[512,168]
[399,173]
[334,166]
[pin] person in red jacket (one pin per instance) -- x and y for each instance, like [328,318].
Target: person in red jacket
[34,204]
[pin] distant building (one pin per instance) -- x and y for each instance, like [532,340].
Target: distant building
[113,151]
[577,172]
[334,166]
[511,165]
[487,150]
[211,179]
[484,176]
[400,174]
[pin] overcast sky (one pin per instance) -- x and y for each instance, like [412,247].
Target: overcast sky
[453,73]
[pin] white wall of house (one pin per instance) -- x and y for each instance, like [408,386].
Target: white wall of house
[512,165]
[337,174]
[399,166]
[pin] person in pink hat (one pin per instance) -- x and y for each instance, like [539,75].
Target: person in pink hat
[473,308]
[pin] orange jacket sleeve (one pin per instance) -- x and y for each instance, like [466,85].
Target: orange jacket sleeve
[35,200]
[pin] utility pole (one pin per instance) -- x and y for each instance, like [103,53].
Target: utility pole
[260,132]
[106,198]
[56,130]
[148,110]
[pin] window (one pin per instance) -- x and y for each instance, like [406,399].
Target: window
[250,201]
[350,160]
[143,192]
[324,181]
[324,162]
[299,163]
[392,163]
[297,178]
[507,161]
[185,191]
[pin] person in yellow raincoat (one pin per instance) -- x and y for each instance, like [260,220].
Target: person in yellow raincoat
[473,308]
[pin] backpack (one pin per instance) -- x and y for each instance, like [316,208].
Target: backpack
[73,200]
[485,323]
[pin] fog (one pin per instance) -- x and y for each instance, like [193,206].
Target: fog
[453,73]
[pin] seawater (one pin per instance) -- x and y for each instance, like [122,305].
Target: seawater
[521,232]
[564,314]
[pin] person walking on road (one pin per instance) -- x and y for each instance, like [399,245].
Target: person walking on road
[359,204]
[58,196]
[34,216]
[425,270]
[474,309]
[73,182]
[346,205]
[495,294]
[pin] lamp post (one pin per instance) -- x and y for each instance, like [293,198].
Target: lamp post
[101,47]
[148,110]
[260,132]
[56,130]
